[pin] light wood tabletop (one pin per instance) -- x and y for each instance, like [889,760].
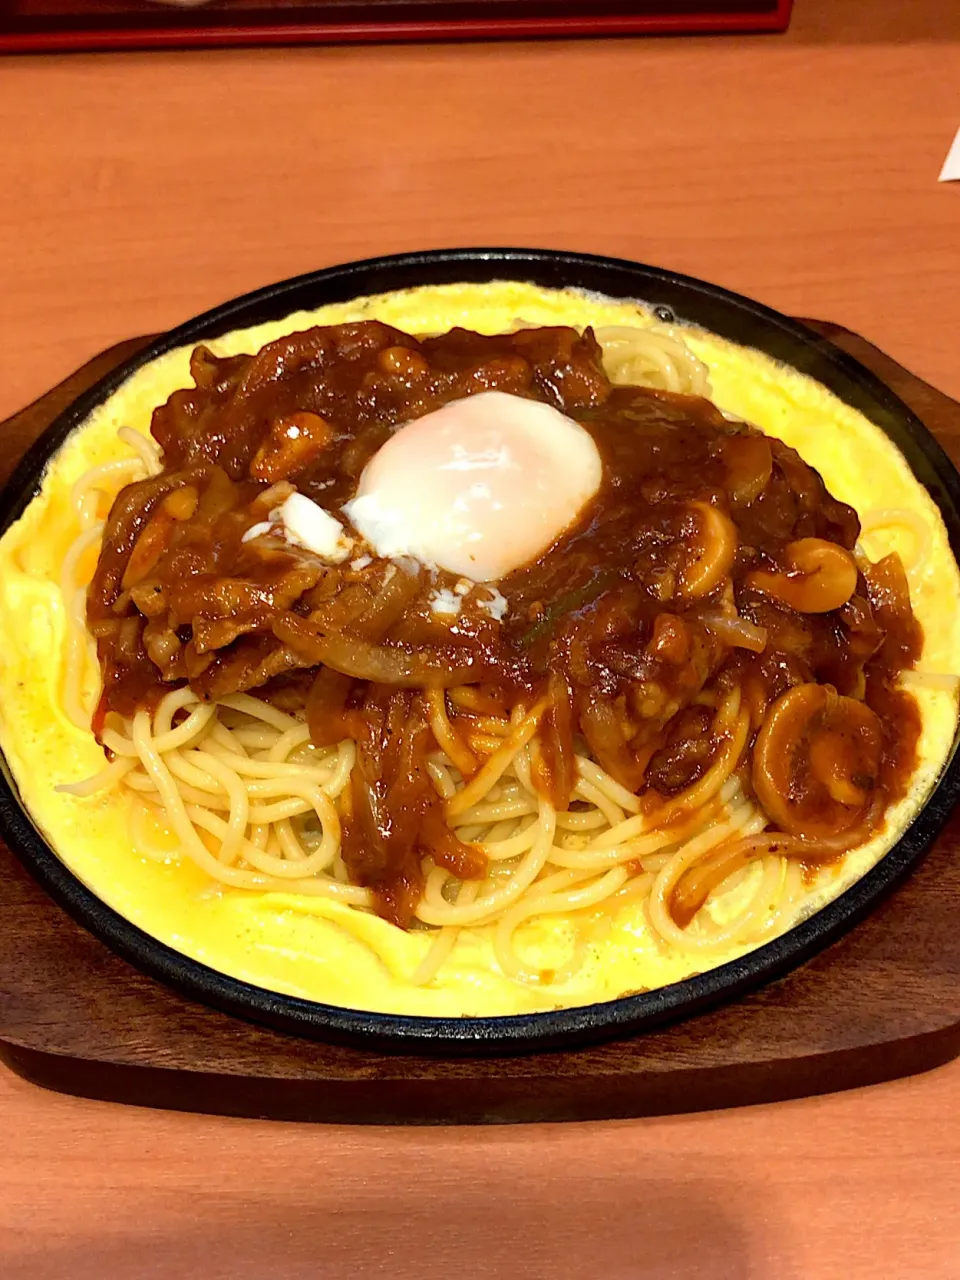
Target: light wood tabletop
[138,190]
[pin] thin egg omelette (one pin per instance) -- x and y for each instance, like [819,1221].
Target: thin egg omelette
[323,950]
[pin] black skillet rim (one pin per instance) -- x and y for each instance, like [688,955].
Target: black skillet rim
[686,298]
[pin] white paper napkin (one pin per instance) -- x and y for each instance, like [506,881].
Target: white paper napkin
[951,166]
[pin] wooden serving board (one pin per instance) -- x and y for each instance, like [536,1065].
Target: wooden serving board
[882,1002]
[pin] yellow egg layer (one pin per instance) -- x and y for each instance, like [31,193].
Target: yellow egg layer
[326,952]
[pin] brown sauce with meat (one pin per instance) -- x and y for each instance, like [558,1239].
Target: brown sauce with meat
[711,559]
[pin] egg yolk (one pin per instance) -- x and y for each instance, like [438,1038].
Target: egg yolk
[479,488]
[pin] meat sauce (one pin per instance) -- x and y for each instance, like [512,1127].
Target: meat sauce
[712,559]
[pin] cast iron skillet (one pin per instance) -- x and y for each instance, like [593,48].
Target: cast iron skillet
[673,296]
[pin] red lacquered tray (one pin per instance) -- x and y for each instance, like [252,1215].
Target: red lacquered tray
[45,26]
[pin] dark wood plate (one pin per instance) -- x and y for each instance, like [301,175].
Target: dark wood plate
[881,1002]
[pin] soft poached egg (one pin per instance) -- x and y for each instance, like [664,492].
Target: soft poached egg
[479,488]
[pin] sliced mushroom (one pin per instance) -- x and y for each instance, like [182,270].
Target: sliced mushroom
[820,576]
[710,552]
[816,761]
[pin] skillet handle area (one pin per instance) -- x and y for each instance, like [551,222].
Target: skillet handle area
[939,413]
[19,432]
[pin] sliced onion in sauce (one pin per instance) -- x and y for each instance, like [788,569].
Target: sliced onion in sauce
[737,632]
[383,664]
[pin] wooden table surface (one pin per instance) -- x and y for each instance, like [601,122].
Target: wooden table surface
[137,190]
